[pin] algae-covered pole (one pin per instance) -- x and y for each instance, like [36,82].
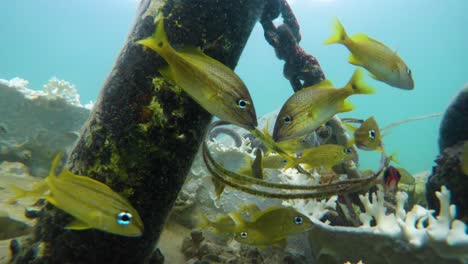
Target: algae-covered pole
[142,136]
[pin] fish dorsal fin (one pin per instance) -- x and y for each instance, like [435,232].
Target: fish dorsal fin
[77,225]
[192,51]
[66,173]
[196,53]
[53,166]
[325,84]
[363,37]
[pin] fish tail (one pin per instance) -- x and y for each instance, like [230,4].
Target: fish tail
[19,193]
[357,84]
[158,41]
[339,33]
[203,221]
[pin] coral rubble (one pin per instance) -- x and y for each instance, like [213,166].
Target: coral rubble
[37,124]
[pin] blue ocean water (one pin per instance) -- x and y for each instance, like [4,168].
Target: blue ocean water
[78,40]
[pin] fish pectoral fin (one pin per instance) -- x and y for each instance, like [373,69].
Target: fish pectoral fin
[346,106]
[77,225]
[354,60]
[312,115]
[167,73]
[280,244]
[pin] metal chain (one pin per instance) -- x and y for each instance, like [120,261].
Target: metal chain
[300,68]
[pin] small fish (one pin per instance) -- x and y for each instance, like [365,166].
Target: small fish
[272,226]
[312,106]
[10,228]
[272,161]
[299,144]
[367,136]
[227,223]
[384,64]
[92,203]
[223,224]
[210,83]
[391,178]
[326,156]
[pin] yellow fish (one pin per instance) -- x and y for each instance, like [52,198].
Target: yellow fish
[272,161]
[384,64]
[223,224]
[92,203]
[312,106]
[367,136]
[227,223]
[210,83]
[272,226]
[298,144]
[326,156]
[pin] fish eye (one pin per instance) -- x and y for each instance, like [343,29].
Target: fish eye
[242,103]
[124,218]
[243,234]
[408,71]
[348,151]
[298,220]
[287,119]
[372,134]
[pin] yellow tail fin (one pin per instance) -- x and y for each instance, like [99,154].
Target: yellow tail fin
[339,33]
[358,85]
[19,193]
[203,221]
[158,41]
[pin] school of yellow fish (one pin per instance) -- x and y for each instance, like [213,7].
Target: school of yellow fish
[223,94]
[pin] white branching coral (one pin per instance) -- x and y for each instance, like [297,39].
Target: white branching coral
[314,209]
[16,82]
[57,88]
[54,89]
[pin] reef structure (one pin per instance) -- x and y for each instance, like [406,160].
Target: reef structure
[142,136]
[36,124]
[453,135]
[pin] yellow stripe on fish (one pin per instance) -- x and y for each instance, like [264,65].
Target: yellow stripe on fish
[312,106]
[209,82]
[92,203]
[384,64]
